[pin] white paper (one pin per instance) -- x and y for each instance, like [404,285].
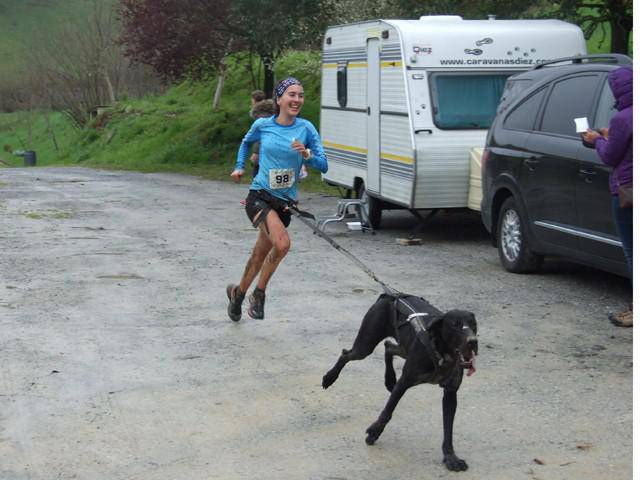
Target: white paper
[582,124]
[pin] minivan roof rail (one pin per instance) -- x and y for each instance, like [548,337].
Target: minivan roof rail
[594,58]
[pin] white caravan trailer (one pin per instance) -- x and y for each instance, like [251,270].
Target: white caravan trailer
[404,101]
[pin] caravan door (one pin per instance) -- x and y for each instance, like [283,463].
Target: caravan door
[373,115]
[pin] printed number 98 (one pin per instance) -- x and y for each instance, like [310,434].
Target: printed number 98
[282,178]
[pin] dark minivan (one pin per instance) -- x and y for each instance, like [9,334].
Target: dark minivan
[544,191]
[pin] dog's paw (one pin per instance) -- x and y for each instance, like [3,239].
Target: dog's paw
[455,464]
[373,432]
[328,380]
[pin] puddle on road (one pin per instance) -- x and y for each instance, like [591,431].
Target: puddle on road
[46,214]
[121,276]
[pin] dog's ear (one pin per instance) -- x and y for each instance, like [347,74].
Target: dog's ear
[450,328]
[456,320]
[472,323]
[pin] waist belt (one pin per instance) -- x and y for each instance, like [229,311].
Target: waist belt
[273,201]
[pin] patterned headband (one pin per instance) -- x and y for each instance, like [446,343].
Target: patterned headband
[284,84]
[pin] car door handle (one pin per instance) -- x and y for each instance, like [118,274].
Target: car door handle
[531,163]
[587,174]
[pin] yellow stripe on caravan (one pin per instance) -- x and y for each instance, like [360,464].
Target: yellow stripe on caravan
[349,65]
[345,147]
[386,156]
[397,158]
[396,63]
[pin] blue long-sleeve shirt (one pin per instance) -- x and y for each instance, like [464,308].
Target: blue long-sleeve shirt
[279,163]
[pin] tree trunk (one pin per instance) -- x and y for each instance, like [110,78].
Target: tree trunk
[29,129]
[112,95]
[50,130]
[222,72]
[267,61]
[620,31]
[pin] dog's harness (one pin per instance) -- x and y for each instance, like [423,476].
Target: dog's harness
[422,323]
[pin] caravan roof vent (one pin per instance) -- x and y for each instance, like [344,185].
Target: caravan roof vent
[440,18]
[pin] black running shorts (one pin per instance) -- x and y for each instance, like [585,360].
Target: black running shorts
[262,201]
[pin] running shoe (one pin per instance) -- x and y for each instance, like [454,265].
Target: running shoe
[235,302]
[256,304]
[622,319]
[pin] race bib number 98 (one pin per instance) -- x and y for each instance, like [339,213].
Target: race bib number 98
[281,178]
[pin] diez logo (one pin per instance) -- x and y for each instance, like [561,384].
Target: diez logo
[426,50]
[475,51]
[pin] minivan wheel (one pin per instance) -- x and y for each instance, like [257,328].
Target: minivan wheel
[513,245]
[371,211]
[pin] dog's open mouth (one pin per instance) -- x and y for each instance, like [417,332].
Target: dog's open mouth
[468,362]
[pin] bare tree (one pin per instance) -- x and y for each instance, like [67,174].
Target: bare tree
[82,67]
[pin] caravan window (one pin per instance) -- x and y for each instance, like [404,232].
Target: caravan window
[466,100]
[342,85]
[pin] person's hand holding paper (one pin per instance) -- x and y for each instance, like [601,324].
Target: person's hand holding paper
[582,124]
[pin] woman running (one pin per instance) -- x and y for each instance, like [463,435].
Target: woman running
[286,143]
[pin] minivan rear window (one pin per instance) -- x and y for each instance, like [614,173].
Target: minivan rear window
[524,115]
[466,100]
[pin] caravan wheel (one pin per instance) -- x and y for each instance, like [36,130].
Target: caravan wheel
[371,211]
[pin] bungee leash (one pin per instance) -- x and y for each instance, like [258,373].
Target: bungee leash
[310,221]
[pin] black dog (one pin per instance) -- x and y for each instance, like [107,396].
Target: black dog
[436,347]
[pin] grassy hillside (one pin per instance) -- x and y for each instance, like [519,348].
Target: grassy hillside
[177,131]
[19,19]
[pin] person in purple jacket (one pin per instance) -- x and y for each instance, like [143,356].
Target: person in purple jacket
[615,148]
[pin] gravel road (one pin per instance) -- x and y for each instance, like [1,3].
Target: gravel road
[119,361]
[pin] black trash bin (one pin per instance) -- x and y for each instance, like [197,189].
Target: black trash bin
[29,158]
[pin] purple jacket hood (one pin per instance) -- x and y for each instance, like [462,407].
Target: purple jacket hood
[621,83]
[617,151]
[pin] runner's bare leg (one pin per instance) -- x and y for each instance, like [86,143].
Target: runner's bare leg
[268,252]
[280,247]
